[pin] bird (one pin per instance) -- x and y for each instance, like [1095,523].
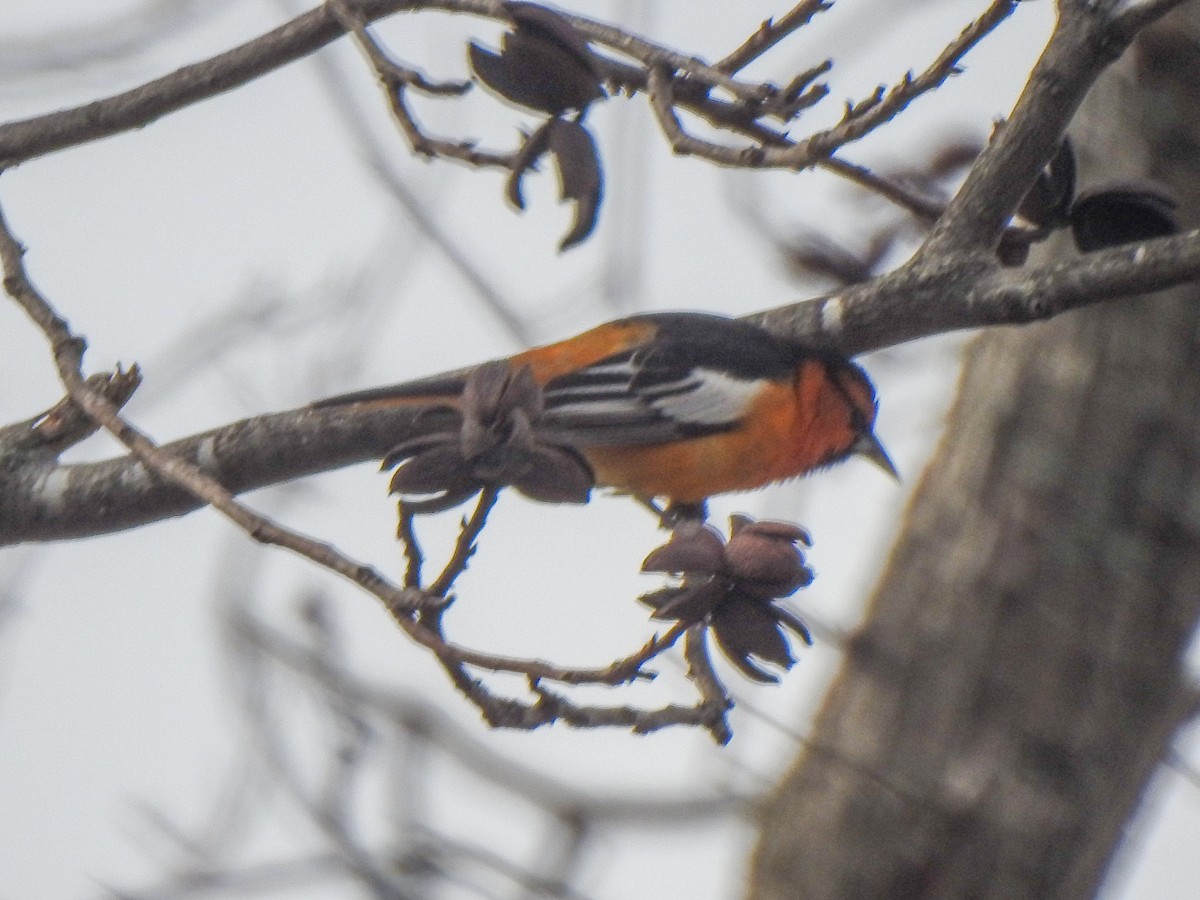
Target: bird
[683,406]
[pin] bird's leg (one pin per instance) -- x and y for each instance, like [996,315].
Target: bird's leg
[675,513]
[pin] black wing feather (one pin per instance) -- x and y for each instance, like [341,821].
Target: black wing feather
[688,382]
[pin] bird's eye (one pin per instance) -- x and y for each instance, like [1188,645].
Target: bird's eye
[860,398]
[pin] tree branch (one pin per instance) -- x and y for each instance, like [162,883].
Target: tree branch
[146,456]
[690,85]
[29,138]
[45,501]
[149,462]
[960,291]
[953,283]
[1137,14]
[771,33]
[1086,40]
[860,118]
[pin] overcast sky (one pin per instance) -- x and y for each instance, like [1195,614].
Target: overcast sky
[273,245]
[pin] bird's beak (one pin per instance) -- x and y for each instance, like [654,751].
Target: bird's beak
[868,445]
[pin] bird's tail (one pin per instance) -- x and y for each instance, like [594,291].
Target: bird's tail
[444,388]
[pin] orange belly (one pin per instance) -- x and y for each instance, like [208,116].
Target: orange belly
[791,429]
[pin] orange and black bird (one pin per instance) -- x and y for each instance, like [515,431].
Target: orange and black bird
[684,405]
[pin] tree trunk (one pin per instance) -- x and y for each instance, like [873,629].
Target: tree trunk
[1019,674]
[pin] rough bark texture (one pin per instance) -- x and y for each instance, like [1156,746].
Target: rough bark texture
[1018,676]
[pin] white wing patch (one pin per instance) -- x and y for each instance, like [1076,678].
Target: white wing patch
[716,398]
[704,397]
[616,370]
[610,408]
[632,401]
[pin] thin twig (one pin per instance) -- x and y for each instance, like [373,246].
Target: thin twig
[771,33]
[407,536]
[920,205]
[652,54]
[68,354]
[400,602]
[633,666]
[396,79]
[464,546]
[1082,44]
[860,118]
[23,140]
[391,72]
[555,706]
[64,425]
[714,699]
[662,102]
[407,712]
[381,163]
[871,113]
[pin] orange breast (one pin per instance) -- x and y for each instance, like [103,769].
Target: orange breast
[792,428]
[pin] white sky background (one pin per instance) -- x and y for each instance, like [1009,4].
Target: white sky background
[115,691]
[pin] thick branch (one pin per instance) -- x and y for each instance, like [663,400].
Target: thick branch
[1021,669]
[1085,41]
[38,136]
[959,292]
[953,283]
[45,501]
[49,502]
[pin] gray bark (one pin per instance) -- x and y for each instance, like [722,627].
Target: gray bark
[1018,676]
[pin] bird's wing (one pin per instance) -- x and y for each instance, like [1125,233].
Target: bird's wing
[644,396]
